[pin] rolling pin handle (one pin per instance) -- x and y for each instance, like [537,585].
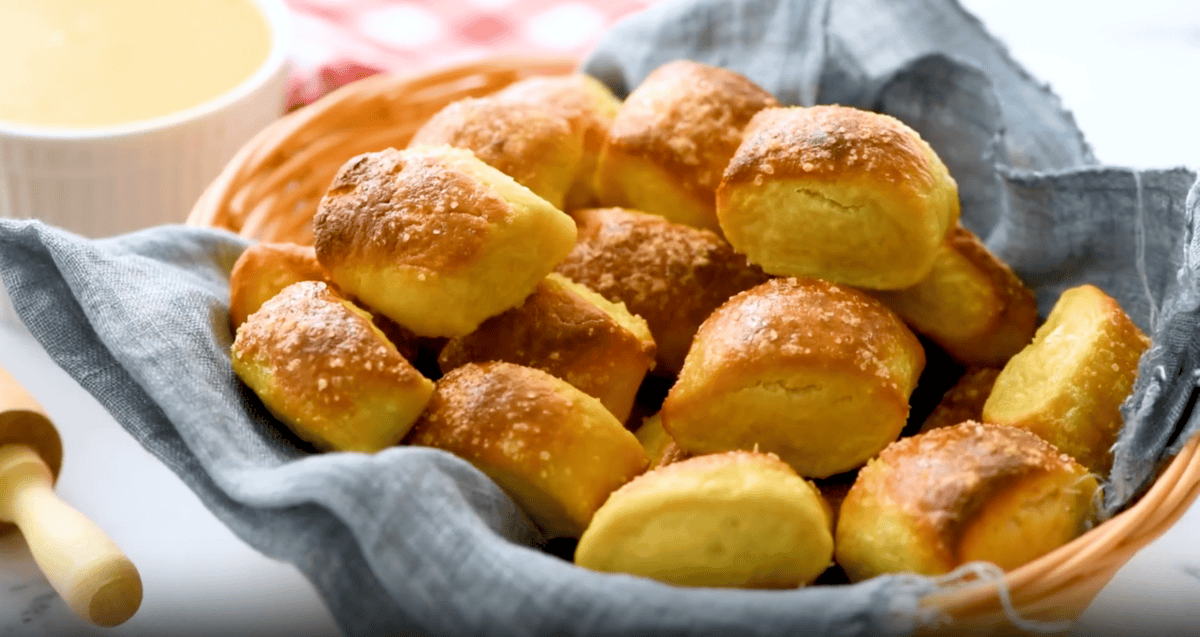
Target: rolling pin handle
[91,574]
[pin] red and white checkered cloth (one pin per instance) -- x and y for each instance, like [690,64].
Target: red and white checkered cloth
[338,41]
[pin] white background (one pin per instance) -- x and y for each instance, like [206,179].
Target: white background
[1128,70]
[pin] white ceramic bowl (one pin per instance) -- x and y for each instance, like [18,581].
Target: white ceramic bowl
[106,181]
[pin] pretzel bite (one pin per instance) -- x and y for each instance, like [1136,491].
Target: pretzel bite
[435,239]
[262,270]
[671,275]
[964,401]
[325,371]
[737,519]
[557,451]
[588,106]
[817,373]
[1067,386]
[660,447]
[545,132]
[971,304]
[534,145]
[571,332]
[672,138]
[837,193]
[934,501]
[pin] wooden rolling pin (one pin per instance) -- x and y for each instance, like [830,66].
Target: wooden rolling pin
[85,567]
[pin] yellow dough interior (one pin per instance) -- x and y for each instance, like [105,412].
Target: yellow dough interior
[884,540]
[952,290]
[640,184]
[1035,375]
[721,528]
[619,313]
[821,423]
[844,232]
[653,437]
[1029,519]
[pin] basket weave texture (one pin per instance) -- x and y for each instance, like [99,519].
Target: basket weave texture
[269,191]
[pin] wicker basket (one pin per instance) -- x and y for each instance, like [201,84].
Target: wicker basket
[270,190]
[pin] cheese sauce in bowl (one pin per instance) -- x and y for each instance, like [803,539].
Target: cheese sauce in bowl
[89,63]
[116,114]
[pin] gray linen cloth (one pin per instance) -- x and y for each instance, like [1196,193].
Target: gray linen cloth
[415,541]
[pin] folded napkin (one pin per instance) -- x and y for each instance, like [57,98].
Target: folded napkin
[415,541]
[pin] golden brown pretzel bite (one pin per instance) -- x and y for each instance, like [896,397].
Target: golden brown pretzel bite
[817,373]
[957,494]
[671,275]
[837,193]
[323,369]
[672,138]
[264,269]
[436,239]
[588,106]
[571,332]
[1067,386]
[971,304]
[737,518]
[557,451]
[535,147]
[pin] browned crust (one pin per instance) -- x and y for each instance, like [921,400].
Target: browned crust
[556,331]
[263,269]
[413,208]
[316,347]
[687,118]
[515,137]
[475,406]
[941,479]
[999,329]
[964,401]
[582,101]
[559,448]
[813,323]
[671,275]
[832,143]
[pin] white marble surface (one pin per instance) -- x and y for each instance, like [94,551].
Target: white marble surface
[1128,70]
[199,579]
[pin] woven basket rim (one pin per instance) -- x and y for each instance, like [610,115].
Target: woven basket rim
[1071,574]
